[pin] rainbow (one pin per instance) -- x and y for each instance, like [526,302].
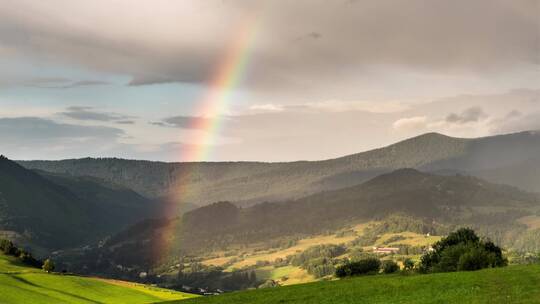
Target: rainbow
[227,76]
[211,110]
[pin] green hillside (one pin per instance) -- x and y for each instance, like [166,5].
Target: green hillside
[513,284]
[21,284]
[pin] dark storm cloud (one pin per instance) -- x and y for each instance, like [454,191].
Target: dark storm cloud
[88,113]
[472,36]
[473,114]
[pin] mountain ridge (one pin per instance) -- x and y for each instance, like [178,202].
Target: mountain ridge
[254,182]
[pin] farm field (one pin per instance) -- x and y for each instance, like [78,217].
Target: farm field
[303,244]
[21,284]
[512,284]
[286,275]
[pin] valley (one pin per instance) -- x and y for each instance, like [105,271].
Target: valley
[241,226]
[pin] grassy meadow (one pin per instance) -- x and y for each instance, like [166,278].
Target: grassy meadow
[22,284]
[512,284]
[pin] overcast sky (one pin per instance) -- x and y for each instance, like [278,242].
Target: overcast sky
[322,79]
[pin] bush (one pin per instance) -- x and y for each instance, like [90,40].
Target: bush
[408,264]
[8,248]
[476,258]
[462,250]
[48,265]
[389,266]
[366,266]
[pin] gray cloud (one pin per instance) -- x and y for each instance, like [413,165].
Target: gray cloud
[473,114]
[61,83]
[87,113]
[187,42]
[183,122]
[126,122]
[517,123]
[35,129]
[83,83]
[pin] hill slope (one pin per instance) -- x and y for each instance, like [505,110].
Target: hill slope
[54,211]
[513,284]
[21,284]
[433,201]
[249,182]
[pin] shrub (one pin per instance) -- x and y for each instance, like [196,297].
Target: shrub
[48,265]
[366,266]
[389,266]
[408,264]
[7,247]
[476,258]
[462,250]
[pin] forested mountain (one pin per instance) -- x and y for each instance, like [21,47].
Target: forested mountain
[430,201]
[52,211]
[498,158]
[446,199]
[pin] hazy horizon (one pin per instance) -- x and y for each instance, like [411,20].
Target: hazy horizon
[262,161]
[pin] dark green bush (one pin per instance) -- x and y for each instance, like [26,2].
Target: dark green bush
[462,250]
[389,266]
[408,264]
[366,266]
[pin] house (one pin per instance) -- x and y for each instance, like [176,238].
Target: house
[386,250]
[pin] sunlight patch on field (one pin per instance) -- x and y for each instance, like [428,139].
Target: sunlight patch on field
[22,284]
[303,244]
[285,275]
[532,221]
[411,239]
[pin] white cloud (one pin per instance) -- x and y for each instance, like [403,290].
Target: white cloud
[417,124]
[269,107]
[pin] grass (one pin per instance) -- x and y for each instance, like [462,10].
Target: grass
[21,284]
[512,284]
[294,275]
[532,221]
[252,258]
[411,239]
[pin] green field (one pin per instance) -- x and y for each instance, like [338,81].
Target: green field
[513,284]
[21,284]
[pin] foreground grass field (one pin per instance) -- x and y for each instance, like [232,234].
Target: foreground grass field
[21,284]
[513,284]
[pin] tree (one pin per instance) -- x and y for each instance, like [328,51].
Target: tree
[389,266]
[462,250]
[48,265]
[408,264]
[7,247]
[365,266]
[252,277]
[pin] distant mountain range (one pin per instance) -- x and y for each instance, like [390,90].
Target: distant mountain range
[510,159]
